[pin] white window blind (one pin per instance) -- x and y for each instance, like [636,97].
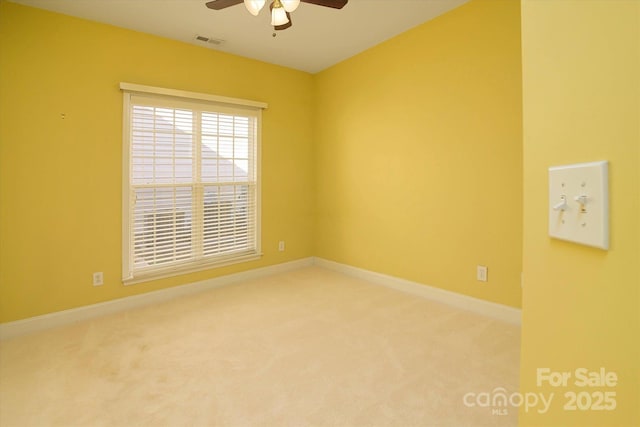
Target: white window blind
[191,186]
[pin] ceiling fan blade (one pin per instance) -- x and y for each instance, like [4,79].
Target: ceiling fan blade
[336,4]
[222,4]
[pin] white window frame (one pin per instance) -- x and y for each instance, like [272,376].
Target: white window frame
[176,97]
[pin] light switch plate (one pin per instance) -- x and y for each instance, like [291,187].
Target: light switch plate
[579,203]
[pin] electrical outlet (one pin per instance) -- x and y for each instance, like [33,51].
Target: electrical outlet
[98,278]
[281,245]
[482,273]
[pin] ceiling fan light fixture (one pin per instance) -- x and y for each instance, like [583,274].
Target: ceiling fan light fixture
[278,16]
[290,5]
[254,6]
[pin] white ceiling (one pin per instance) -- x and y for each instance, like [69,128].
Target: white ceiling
[319,38]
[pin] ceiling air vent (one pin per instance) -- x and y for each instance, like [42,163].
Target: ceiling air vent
[209,40]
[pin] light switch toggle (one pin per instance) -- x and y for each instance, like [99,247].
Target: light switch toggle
[581,199]
[562,206]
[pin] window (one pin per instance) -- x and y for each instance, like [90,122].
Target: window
[191,189]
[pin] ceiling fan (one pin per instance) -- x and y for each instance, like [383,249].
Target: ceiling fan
[280,9]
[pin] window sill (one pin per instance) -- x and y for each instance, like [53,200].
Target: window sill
[147,276]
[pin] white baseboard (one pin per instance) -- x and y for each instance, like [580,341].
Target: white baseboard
[65,317]
[486,308]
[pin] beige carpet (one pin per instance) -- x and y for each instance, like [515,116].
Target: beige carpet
[306,348]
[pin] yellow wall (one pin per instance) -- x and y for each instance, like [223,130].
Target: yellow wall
[60,180]
[419,154]
[581,92]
